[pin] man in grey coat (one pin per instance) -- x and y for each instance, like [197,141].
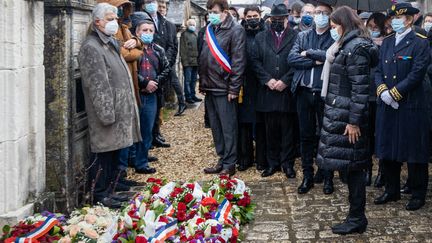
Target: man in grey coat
[110,102]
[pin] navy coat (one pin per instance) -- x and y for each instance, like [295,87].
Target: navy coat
[403,134]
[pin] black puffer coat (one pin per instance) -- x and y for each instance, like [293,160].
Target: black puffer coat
[347,103]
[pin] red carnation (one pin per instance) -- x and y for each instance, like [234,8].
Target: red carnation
[178,190]
[200,220]
[214,230]
[190,186]
[244,202]
[208,201]
[140,239]
[155,189]
[224,177]
[229,185]
[151,180]
[229,196]
[207,216]
[181,215]
[163,219]
[188,198]
[181,207]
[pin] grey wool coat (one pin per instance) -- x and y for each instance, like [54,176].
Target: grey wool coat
[108,93]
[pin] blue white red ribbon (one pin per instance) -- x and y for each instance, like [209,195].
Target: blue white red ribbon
[217,52]
[164,233]
[42,230]
[224,211]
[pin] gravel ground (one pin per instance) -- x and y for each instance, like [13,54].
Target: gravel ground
[191,150]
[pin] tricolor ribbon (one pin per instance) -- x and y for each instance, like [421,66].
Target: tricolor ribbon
[164,233]
[170,211]
[224,211]
[217,52]
[42,230]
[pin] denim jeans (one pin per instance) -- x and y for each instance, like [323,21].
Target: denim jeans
[190,78]
[124,156]
[147,117]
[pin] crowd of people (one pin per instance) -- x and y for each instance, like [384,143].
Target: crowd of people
[329,85]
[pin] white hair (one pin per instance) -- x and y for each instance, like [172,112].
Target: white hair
[190,22]
[101,9]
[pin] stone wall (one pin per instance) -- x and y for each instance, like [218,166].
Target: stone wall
[22,107]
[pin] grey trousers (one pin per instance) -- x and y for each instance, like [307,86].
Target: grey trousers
[175,83]
[224,125]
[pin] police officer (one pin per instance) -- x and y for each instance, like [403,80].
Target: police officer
[401,124]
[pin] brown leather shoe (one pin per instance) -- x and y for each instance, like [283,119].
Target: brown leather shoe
[231,171]
[213,170]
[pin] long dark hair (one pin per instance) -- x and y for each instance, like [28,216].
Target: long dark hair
[379,19]
[349,21]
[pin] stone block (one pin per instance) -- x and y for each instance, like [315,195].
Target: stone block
[14,216]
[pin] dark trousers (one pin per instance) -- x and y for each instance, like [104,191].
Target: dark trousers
[357,195]
[158,122]
[102,174]
[280,144]
[175,83]
[310,109]
[224,125]
[417,174]
[260,141]
[190,78]
[245,144]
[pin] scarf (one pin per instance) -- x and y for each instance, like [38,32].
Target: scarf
[325,75]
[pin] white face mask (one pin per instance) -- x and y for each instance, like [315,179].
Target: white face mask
[111,27]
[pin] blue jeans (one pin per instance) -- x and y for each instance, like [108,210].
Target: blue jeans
[147,117]
[124,156]
[190,78]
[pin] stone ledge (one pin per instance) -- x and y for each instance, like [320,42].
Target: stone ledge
[13,217]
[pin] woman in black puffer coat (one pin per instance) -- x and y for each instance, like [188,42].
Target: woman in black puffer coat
[344,142]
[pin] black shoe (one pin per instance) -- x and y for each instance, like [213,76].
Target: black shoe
[190,101]
[289,172]
[213,170]
[110,202]
[181,110]
[120,187]
[152,159]
[405,189]
[306,185]
[260,167]
[368,178]
[328,186]
[146,170]
[130,182]
[349,227]
[160,144]
[414,204]
[160,137]
[385,198]
[123,174]
[379,180]
[318,178]
[230,171]
[343,176]
[196,99]
[120,198]
[269,172]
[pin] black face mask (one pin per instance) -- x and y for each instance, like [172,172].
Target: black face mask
[252,23]
[277,26]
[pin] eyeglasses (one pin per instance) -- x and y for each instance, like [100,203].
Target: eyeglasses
[307,13]
[318,12]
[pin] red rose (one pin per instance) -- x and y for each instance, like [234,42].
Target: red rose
[151,180]
[155,189]
[200,220]
[183,238]
[246,194]
[134,225]
[158,181]
[140,239]
[181,216]
[178,190]
[229,196]
[229,185]
[223,177]
[181,207]
[173,194]
[190,186]
[208,201]
[163,219]
[207,216]
[243,202]
[188,198]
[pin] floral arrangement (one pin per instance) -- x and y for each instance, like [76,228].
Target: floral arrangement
[44,227]
[91,224]
[162,212]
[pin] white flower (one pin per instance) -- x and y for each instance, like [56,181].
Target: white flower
[142,210]
[207,231]
[127,221]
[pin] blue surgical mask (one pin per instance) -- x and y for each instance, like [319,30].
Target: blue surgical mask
[427,26]
[151,7]
[214,19]
[374,34]
[334,34]
[321,21]
[398,25]
[192,28]
[307,20]
[147,38]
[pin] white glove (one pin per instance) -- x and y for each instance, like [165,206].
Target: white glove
[386,97]
[394,105]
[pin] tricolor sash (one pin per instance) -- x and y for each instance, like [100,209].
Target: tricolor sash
[42,230]
[223,211]
[164,233]
[217,52]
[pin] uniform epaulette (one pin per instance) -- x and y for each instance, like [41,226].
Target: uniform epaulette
[421,36]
